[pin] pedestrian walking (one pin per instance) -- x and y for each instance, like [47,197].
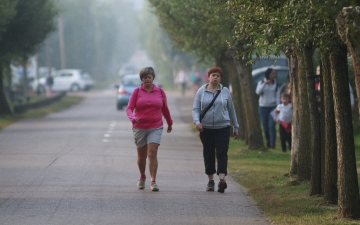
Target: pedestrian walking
[147,105]
[49,84]
[182,78]
[269,92]
[213,114]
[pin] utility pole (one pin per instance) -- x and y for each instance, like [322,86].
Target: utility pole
[48,56]
[61,42]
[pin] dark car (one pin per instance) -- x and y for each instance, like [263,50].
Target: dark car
[128,83]
[282,73]
[269,61]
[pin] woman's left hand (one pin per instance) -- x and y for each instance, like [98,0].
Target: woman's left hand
[169,128]
[235,135]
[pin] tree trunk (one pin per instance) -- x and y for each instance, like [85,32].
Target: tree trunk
[315,181]
[348,198]
[254,133]
[327,111]
[303,123]
[4,105]
[348,26]
[294,79]
[236,93]
[25,85]
[220,63]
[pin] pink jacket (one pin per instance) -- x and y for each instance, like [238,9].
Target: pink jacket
[148,108]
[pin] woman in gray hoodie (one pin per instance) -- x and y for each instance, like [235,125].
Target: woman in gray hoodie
[269,92]
[214,126]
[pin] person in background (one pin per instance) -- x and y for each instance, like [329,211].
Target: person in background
[214,126]
[195,79]
[147,105]
[182,78]
[317,87]
[285,117]
[286,87]
[205,77]
[49,84]
[318,101]
[269,92]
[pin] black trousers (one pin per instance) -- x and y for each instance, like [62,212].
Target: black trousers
[284,137]
[215,144]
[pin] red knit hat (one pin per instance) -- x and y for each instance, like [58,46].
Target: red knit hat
[214,70]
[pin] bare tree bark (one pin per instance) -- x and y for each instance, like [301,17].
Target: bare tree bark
[254,134]
[4,105]
[294,79]
[348,26]
[304,152]
[315,181]
[236,93]
[348,197]
[330,174]
[222,63]
[25,84]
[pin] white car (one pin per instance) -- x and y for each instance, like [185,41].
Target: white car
[66,80]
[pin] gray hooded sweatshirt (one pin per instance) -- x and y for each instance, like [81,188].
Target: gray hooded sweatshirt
[269,93]
[221,114]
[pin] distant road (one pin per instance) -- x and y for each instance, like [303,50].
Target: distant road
[79,167]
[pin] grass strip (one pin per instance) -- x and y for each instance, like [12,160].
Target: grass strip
[264,175]
[65,102]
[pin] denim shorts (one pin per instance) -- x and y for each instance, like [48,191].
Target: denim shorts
[143,137]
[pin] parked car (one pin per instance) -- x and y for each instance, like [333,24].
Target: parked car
[66,80]
[259,74]
[282,73]
[270,61]
[128,83]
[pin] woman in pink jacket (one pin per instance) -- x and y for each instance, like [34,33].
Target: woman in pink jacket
[145,109]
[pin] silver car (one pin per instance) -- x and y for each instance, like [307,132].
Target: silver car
[66,80]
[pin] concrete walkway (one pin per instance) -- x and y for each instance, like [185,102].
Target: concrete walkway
[78,167]
[182,151]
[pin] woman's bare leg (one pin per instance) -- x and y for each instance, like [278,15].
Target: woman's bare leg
[152,149]
[141,161]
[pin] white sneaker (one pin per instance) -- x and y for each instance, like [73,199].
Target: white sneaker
[154,187]
[141,184]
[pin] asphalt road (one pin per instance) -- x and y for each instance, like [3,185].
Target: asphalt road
[79,167]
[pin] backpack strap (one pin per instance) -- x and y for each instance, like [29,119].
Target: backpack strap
[162,94]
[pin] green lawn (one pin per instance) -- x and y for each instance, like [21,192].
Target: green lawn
[264,175]
[65,102]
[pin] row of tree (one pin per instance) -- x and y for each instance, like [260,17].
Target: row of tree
[230,32]
[160,48]
[24,25]
[95,36]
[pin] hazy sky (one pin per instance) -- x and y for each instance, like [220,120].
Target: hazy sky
[139,3]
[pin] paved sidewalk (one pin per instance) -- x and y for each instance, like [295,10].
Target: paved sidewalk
[232,207]
[78,167]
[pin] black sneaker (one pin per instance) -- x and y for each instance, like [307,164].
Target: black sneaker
[210,186]
[222,186]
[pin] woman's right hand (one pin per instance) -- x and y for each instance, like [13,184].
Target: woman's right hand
[199,127]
